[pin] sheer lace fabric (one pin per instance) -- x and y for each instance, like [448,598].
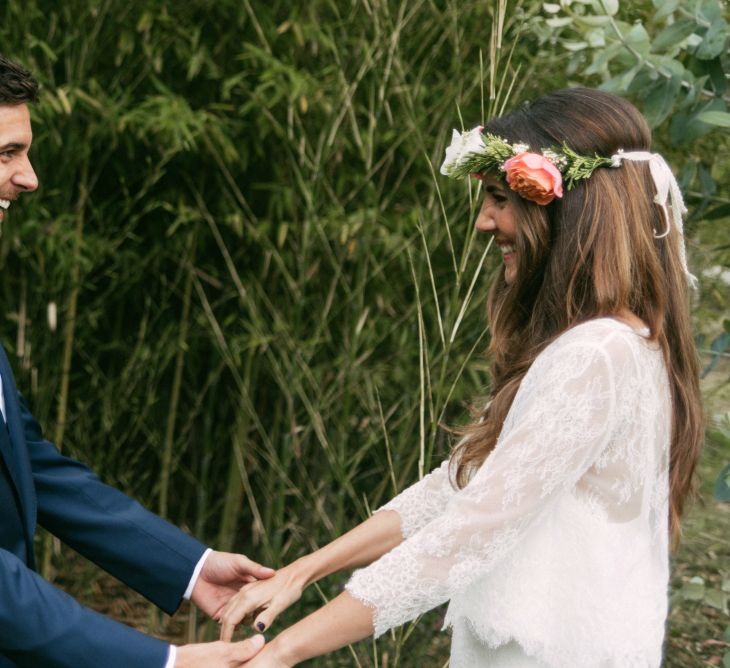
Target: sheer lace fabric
[559,543]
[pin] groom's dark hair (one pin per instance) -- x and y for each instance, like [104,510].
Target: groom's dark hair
[17,85]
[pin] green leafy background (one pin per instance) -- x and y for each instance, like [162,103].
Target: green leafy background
[243,295]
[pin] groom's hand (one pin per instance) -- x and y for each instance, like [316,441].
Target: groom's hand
[222,575]
[218,654]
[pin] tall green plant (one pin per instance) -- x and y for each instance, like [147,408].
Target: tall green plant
[279,303]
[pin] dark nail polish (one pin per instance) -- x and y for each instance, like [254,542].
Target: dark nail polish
[260,626]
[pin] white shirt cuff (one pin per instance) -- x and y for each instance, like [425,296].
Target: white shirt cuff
[171,656]
[191,585]
[172,653]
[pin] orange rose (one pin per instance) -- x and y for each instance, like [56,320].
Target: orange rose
[534,177]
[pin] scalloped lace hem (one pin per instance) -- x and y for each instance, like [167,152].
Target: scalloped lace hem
[378,628]
[546,653]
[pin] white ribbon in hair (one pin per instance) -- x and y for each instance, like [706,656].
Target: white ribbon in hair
[668,196]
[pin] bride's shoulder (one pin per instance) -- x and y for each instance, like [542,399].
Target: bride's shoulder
[598,330]
[615,338]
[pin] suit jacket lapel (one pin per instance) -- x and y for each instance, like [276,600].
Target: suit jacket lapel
[15,450]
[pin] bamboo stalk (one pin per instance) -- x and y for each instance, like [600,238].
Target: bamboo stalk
[234,487]
[52,545]
[177,380]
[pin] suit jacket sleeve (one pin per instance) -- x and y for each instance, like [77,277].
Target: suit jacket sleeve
[144,551]
[42,626]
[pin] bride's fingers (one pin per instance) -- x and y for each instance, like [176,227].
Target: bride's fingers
[227,629]
[265,618]
[250,617]
[238,609]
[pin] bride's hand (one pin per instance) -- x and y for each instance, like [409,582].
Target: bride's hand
[263,600]
[268,657]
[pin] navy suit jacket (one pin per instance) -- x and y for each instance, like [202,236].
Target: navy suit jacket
[41,626]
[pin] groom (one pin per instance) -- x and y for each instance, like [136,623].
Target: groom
[39,624]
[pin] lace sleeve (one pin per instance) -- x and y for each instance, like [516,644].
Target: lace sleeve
[559,422]
[421,502]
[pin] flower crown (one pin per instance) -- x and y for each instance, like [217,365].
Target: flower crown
[538,177]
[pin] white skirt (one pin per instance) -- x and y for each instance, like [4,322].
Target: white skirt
[468,651]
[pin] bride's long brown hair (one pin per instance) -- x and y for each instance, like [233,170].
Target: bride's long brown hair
[592,253]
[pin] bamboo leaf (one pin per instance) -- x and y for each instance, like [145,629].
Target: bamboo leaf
[718,118]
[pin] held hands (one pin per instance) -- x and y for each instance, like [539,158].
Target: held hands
[269,657]
[221,577]
[219,654]
[259,603]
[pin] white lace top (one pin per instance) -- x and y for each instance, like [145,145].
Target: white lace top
[560,540]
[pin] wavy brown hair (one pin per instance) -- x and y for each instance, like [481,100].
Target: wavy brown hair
[592,253]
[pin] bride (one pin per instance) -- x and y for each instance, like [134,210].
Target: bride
[548,529]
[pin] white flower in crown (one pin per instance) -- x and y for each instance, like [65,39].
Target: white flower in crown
[461,147]
[558,159]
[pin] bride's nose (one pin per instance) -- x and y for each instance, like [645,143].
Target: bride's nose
[485,219]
